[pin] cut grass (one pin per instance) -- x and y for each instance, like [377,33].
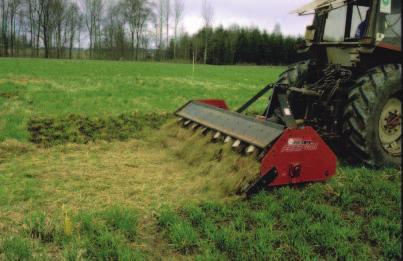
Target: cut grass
[139,173]
[39,226]
[218,170]
[355,215]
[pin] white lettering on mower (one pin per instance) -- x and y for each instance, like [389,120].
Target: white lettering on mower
[297,145]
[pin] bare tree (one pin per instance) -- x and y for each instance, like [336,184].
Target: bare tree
[92,13]
[4,7]
[46,7]
[59,15]
[81,27]
[155,31]
[167,16]
[73,27]
[160,12]
[114,31]
[13,7]
[32,6]
[179,7]
[208,16]
[146,15]
[37,20]
[137,13]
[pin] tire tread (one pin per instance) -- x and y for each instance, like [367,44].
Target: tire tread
[359,106]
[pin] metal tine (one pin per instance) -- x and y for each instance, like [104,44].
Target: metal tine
[217,135]
[261,155]
[204,130]
[236,144]
[179,119]
[228,139]
[187,123]
[194,126]
[250,149]
[258,153]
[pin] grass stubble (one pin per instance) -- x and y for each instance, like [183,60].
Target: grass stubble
[169,168]
[174,193]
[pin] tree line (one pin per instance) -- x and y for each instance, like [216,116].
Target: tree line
[132,30]
[236,45]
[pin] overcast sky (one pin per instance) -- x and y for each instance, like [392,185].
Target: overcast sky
[261,13]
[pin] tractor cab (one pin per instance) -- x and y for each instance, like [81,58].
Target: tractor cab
[351,32]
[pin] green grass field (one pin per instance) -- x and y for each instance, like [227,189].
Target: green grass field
[86,173]
[56,88]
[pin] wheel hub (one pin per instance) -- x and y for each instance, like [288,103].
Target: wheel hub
[390,126]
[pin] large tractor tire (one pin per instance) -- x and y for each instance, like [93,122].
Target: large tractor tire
[296,74]
[372,120]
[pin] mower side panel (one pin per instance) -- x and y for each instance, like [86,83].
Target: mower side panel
[299,156]
[216,103]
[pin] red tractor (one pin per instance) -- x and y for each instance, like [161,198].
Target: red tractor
[348,92]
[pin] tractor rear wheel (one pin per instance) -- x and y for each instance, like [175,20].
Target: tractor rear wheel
[372,120]
[296,75]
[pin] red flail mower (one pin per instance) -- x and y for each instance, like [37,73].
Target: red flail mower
[289,153]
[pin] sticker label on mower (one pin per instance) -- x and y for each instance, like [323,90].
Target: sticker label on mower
[296,145]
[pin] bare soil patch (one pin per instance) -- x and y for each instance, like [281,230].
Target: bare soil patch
[50,131]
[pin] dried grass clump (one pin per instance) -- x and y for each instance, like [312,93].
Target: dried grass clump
[10,148]
[219,170]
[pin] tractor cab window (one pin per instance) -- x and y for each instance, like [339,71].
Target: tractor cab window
[389,23]
[335,25]
[359,21]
